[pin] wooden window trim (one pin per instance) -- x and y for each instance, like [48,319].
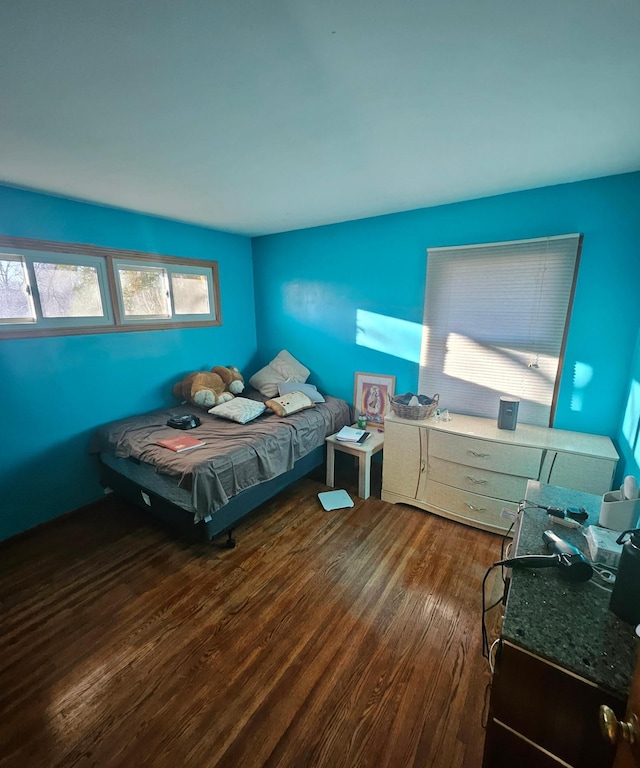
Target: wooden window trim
[110,255]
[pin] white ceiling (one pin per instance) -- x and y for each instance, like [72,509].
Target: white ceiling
[261,116]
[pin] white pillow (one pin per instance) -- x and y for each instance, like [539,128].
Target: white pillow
[283,367]
[240,409]
[289,367]
[308,389]
[291,403]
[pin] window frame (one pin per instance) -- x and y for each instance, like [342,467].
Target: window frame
[170,269]
[114,320]
[51,323]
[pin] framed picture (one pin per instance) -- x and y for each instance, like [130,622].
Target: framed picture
[371,397]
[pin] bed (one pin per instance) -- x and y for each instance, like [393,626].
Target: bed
[206,491]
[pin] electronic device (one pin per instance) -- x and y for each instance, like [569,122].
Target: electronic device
[573,565]
[567,517]
[603,547]
[508,413]
[188,421]
[580,515]
[567,522]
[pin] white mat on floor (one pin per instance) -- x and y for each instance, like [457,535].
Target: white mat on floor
[335,500]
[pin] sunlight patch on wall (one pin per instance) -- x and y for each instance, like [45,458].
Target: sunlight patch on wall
[582,375]
[631,422]
[400,338]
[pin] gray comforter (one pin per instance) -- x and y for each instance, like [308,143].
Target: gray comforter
[235,457]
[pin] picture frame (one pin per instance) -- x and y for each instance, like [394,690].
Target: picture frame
[371,397]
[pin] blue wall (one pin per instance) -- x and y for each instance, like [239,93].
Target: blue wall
[341,298]
[349,297]
[54,391]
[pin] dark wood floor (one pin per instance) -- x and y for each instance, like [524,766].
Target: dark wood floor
[349,638]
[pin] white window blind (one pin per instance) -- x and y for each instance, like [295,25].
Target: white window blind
[494,324]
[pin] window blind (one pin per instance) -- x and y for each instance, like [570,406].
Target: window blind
[494,324]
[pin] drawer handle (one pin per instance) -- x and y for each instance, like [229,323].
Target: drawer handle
[479,455]
[614,730]
[475,509]
[475,480]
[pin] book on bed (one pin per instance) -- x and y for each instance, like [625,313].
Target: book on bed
[180,443]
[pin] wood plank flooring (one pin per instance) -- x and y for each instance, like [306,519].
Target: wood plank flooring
[334,639]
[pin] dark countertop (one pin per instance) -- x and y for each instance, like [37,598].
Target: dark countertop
[568,624]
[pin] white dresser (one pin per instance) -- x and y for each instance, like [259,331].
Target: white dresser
[469,470]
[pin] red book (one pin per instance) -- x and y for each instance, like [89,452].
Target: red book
[180,443]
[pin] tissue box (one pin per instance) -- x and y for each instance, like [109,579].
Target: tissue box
[602,546]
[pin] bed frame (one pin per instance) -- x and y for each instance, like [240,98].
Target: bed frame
[226,518]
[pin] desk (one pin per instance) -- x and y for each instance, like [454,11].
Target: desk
[362,451]
[562,653]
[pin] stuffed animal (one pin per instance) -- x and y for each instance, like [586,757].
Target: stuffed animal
[208,388]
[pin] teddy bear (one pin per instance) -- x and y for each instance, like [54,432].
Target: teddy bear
[208,388]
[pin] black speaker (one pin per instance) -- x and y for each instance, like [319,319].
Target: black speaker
[508,413]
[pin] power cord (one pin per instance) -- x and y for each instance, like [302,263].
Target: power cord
[492,663]
[605,573]
[486,650]
[486,609]
[522,505]
[504,546]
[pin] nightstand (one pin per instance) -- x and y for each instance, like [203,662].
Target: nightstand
[362,451]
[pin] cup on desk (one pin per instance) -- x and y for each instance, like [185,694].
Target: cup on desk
[362,421]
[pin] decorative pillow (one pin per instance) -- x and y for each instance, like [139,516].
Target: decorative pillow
[291,403]
[240,409]
[283,367]
[307,389]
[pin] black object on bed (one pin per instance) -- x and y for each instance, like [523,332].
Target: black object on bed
[206,491]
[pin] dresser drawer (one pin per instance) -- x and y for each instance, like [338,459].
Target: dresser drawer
[506,458]
[477,480]
[472,508]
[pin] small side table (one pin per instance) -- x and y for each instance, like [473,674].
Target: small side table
[362,451]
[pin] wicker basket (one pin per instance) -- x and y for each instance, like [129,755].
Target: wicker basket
[414,411]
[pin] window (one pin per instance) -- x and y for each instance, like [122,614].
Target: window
[16,304]
[69,290]
[143,292]
[61,288]
[162,291]
[52,290]
[495,319]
